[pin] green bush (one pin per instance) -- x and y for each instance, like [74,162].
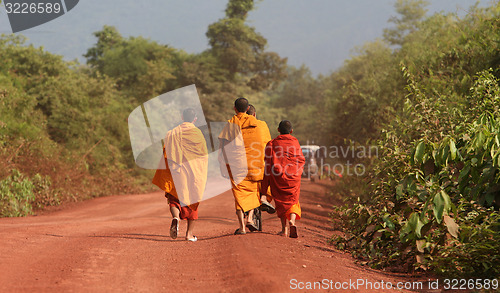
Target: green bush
[46,195]
[16,195]
[432,197]
[20,195]
[435,196]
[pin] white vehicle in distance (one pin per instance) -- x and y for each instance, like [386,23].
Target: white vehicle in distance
[314,156]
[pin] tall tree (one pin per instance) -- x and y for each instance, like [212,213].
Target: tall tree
[107,38]
[240,50]
[141,67]
[411,13]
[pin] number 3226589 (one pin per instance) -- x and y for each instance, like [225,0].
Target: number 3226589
[472,284]
[33,8]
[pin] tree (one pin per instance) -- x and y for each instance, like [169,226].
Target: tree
[235,44]
[363,94]
[107,38]
[411,13]
[141,67]
[240,50]
[440,157]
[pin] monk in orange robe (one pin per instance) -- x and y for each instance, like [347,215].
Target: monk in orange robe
[183,173]
[243,141]
[284,165]
[264,199]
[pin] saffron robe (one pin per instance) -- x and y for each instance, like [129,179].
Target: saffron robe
[183,170]
[245,159]
[284,163]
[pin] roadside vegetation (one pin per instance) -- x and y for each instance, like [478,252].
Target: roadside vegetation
[426,95]
[63,125]
[431,200]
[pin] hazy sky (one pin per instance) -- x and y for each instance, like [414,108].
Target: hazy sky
[318,33]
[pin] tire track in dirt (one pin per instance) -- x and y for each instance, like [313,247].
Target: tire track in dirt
[121,243]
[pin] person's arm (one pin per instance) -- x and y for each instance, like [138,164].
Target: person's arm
[267,169]
[223,161]
[169,164]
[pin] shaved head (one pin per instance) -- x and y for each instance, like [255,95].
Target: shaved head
[285,127]
[188,115]
[251,110]
[241,105]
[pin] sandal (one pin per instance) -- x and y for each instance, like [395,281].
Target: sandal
[293,231]
[239,232]
[252,227]
[194,239]
[174,228]
[267,207]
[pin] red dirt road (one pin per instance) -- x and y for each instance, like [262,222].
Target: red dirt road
[121,243]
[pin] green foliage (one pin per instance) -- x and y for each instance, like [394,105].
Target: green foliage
[142,68]
[45,194]
[68,121]
[16,195]
[362,96]
[425,203]
[444,53]
[60,120]
[298,98]
[411,13]
[239,49]
[21,195]
[107,39]
[239,9]
[235,44]
[433,199]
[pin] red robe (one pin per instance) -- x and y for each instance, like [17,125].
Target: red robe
[284,163]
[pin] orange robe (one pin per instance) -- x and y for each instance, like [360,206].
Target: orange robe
[246,158]
[284,165]
[266,135]
[183,170]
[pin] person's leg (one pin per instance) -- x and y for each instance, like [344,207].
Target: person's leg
[250,217]
[250,221]
[293,216]
[263,199]
[190,228]
[174,226]
[283,227]
[241,219]
[265,206]
[175,212]
[293,228]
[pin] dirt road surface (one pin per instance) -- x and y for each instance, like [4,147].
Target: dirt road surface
[122,244]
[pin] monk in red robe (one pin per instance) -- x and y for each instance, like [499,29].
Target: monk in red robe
[284,163]
[183,173]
